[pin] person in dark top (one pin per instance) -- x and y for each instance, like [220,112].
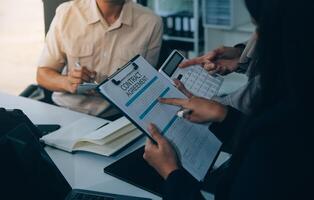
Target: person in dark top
[273,155]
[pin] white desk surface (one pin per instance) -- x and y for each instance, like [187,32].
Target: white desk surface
[82,170]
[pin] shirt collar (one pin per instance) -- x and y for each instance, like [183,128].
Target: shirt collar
[126,16]
[90,10]
[93,15]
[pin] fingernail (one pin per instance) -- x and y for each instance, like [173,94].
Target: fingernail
[150,126]
[176,81]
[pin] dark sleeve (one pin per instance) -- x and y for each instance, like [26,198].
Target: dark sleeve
[241,68]
[272,169]
[225,130]
[241,46]
[181,185]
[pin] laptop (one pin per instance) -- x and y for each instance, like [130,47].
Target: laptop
[31,173]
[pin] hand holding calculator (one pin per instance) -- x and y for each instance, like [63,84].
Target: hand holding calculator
[195,78]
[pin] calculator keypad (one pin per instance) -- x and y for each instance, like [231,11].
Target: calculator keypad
[200,82]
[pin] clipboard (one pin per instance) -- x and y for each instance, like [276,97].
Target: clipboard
[117,82]
[135,88]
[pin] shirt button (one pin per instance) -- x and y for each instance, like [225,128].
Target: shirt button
[104,54]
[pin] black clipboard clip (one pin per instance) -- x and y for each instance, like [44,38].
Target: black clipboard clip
[117,82]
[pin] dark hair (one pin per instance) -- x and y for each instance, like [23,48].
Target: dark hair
[285,50]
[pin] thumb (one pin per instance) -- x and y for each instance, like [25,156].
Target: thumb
[155,133]
[182,88]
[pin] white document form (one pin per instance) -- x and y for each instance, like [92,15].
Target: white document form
[135,89]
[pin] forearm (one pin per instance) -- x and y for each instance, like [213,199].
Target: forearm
[52,80]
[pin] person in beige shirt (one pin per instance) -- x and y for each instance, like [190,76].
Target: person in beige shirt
[100,36]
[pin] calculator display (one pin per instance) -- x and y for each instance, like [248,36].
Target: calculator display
[172,64]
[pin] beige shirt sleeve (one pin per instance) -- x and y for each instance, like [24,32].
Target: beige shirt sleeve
[154,45]
[53,55]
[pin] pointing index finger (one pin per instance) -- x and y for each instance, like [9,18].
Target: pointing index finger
[174,101]
[194,61]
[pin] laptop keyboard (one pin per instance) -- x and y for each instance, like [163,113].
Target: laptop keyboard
[81,196]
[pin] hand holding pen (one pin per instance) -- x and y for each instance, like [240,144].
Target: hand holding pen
[198,109]
[76,76]
[183,113]
[84,73]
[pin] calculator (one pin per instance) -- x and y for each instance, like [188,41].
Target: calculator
[195,78]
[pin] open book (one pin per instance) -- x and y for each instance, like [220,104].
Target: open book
[97,136]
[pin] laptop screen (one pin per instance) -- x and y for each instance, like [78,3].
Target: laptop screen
[34,171]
